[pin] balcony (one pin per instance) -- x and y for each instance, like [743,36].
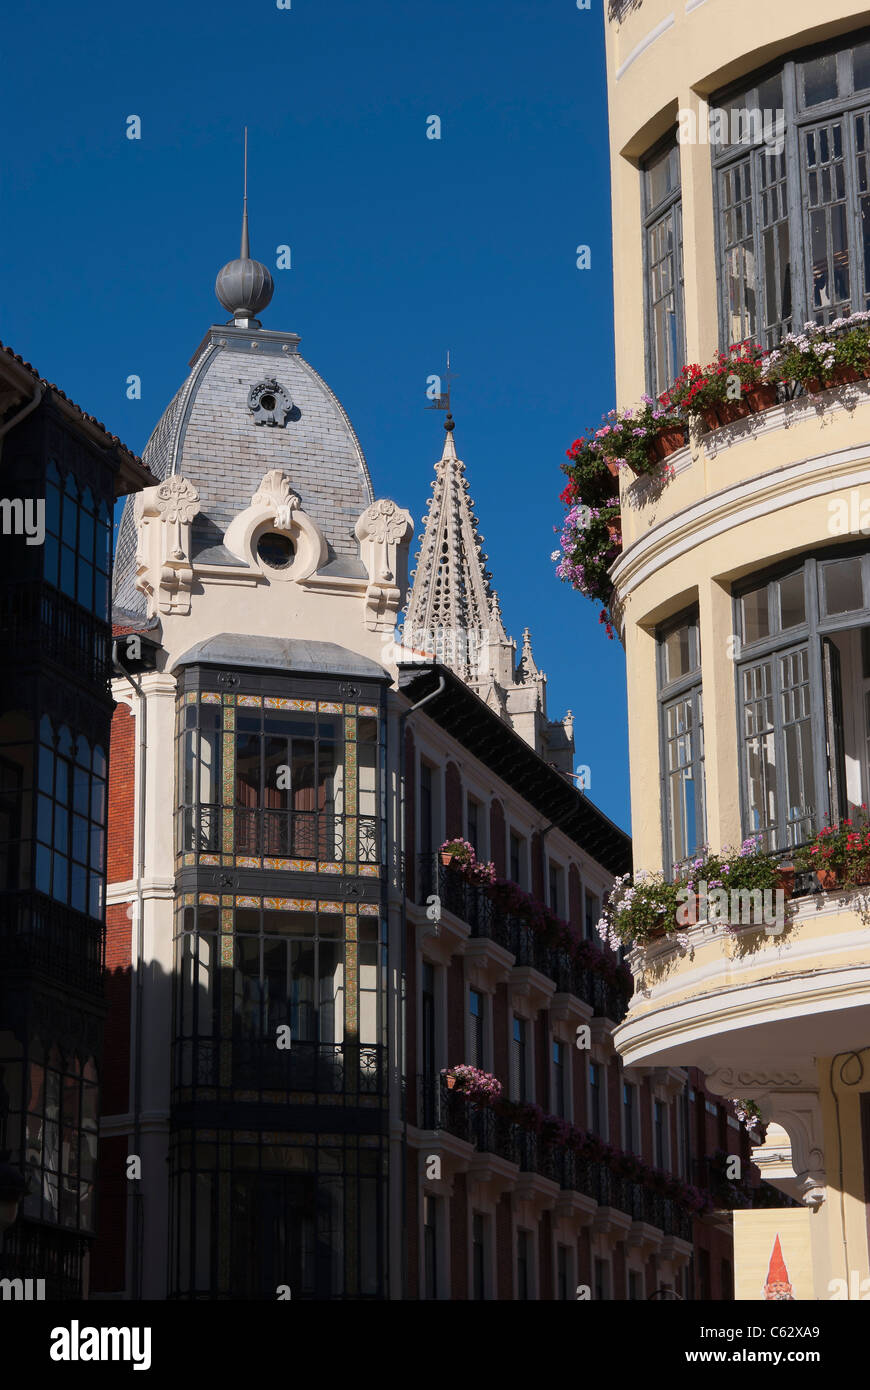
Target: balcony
[257,1069]
[471,905]
[753,1009]
[43,625]
[441,1109]
[38,935]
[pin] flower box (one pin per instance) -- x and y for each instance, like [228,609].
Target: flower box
[668,442]
[760,398]
[729,411]
[786,879]
[710,416]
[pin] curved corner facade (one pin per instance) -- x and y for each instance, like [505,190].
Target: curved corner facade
[741,210]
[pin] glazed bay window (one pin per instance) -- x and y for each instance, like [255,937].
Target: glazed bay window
[791,186]
[663,265]
[278,783]
[682,739]
[803,685]
[289,784]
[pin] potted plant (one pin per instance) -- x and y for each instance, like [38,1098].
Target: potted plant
[747,363]
[851,338]
[480,1086]
[457,853]
[840,854]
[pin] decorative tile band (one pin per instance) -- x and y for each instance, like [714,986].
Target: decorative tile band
[289,904]
[209,697]
[276,702]
[324,905]
[371,710]
[328,707]
[208,858]
[250,701]
[244,901]
[209,899]
[369,871]
[369,910]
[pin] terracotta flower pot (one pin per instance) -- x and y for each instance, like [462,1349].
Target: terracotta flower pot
[614,531]
[813,386]
[760,397]
[710,416]
[451,1082]
[841,376]
[828,878]
[446,858]
[669,441]
[729,411]
[786,880]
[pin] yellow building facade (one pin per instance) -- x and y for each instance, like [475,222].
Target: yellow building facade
[741,210]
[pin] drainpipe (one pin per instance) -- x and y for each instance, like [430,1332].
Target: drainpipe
[403,719]
[140,952]
[25,411]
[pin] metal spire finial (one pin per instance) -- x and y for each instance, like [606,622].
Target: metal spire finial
[246,246]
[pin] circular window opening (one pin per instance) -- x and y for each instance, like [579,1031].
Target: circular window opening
[275,550]
[268,402]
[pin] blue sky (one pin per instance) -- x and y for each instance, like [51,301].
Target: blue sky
[402,246]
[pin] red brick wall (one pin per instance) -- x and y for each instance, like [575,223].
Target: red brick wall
[584,1260]
[410,816]
[117,985]
[542,1060]
[497,847]
[122,791]
[412,1225]
[460,1238]
[646,1129]
[538,866]
[504,1249]
[500,1058]
[453,801]
[575,898]
[108,1257]
[614,1102]
[579,1073]
[455,1015]
[545,1257]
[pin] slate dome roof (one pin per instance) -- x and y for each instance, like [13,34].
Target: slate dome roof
[210,433]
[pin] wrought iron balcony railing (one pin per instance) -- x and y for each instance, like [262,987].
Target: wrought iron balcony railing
[349,1069]
[470,903]
[39,934]
[437,1107]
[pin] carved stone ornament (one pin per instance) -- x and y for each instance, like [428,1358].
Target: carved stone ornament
[383,532]
[163,515]
[269,402]
[275,491]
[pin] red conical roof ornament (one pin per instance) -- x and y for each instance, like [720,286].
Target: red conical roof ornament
[778,1287]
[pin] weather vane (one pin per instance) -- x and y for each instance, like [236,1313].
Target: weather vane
[442,401]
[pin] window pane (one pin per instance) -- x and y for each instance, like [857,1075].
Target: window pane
[797,729]
[756,623]
[842,586]
[861,67]
[792,606]
[820,79]
[739,250]
[678,661]
[759,749]
[662,176]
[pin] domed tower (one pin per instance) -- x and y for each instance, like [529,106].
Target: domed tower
[256,591]
[739,148]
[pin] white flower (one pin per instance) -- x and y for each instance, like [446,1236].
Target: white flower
[556,555]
